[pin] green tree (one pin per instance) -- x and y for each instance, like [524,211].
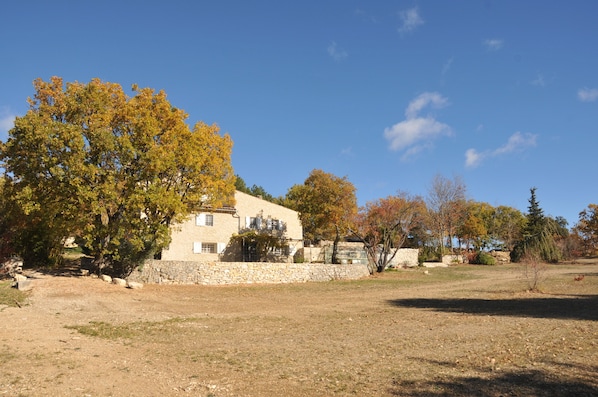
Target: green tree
[473,230]
[384,225]
[254,190]
[538,237]
[117,171]
[507,226]
[326,204]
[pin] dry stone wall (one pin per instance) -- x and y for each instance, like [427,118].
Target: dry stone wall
[220,273]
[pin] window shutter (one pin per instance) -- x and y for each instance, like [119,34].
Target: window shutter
[220,248]
[247,222]
[196,248]
[200,219]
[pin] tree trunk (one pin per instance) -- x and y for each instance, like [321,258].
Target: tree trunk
[337,238]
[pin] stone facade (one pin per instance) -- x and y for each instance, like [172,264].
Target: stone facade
[220,273]
[206,236]
[354,253]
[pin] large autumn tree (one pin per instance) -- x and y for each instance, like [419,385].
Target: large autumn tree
[326,204]
[114,170]
[474,229]
[587,229]
[384,225]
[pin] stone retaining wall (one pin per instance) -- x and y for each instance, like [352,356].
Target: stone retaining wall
[220,273]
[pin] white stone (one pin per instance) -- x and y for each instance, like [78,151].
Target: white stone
[134,285]
[20,277]
[24,285]
[119,281]
[106,278]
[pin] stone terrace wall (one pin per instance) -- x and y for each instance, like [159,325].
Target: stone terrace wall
[220,273]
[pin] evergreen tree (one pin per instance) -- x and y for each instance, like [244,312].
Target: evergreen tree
[538,237]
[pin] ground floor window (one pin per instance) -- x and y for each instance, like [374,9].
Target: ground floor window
[205,248]
[208,248]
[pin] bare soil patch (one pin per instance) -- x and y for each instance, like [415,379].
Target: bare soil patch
[465,330]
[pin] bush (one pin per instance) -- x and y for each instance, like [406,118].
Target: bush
[427,254]
[482,258]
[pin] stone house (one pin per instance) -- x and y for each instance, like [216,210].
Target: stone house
[206,236]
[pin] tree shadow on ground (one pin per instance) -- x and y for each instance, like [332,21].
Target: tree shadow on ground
[519,383]
[583,307]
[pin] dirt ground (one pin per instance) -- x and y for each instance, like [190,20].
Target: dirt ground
[465,330]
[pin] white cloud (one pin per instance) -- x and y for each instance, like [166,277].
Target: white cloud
[416,133]
[427,98]
[587,94]
[410,20]
[516,143]
[472,158]
[493,44]
[336,53]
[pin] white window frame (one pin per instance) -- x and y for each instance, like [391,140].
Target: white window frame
[204,219]
[209,248]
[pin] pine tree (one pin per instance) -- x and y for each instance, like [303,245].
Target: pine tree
[538,240]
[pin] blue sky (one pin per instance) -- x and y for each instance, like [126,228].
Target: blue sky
[503,94]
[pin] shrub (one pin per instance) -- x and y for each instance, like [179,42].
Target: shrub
[482,258]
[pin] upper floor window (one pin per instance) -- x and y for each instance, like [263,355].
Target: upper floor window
[204,219]
[259,223]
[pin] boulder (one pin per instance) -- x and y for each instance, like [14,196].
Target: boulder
[24,285]
[134,285]
[119,281]
[19,277]
[106,278]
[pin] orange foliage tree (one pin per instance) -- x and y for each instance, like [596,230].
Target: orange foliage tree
[384,225]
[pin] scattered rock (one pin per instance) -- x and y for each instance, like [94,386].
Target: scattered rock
[84,272]
[119,281]
[24,285]
[106,278]
[19,277]
[11,267]
[134,285]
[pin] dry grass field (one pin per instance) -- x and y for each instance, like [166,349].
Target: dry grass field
[458,331]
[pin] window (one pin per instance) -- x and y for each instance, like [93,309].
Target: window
[258,223]
[253,223]
[208,248]
[204,220]
[209,220]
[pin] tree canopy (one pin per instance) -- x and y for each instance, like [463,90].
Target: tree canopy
[254,190]
[326,205]
[538,236]
[587,229]
[384,225]
[114,170]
